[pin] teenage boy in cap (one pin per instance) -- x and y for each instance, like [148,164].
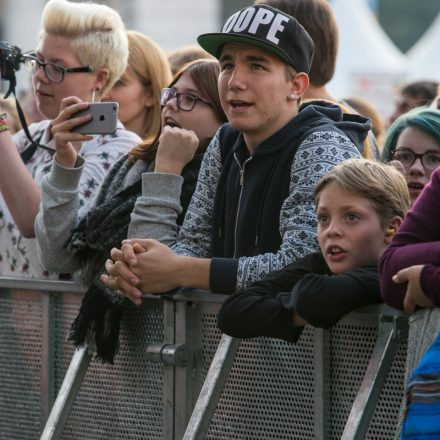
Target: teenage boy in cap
[253,208]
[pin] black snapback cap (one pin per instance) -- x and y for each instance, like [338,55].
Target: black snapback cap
[268,28]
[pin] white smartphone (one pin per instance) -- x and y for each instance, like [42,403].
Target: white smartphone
[104,118]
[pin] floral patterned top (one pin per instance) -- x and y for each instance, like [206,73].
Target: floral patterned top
[18,255]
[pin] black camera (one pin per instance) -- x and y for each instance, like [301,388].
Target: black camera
[10,59]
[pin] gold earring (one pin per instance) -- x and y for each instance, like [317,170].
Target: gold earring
[390,232]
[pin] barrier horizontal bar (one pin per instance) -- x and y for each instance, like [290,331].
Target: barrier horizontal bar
[46,286]
[41,285]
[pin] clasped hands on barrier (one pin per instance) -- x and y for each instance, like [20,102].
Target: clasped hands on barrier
[143,266]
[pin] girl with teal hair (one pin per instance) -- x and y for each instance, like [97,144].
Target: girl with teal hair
[413,141]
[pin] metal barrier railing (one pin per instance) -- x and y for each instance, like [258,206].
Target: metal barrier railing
[42,291]
[177,377]
[392,330]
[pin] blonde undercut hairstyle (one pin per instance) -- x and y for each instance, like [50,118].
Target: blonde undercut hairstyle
[383,185]
[97,33]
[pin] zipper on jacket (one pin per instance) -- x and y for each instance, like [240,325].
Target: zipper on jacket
[239,198]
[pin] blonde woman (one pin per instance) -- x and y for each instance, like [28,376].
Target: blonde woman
[138,89]
[82,51]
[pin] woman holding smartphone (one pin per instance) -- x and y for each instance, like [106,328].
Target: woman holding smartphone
[82,51]
[71,237]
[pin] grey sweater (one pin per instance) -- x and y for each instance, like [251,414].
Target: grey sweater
[60,211]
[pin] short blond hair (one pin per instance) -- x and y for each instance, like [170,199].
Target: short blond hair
[97,33]
[150,64]
[382,184]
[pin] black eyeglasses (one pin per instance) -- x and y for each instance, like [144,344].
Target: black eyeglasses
[430,160]
[185,101]
[54,72]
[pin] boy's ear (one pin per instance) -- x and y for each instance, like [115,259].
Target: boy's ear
[299,84]
[392,227]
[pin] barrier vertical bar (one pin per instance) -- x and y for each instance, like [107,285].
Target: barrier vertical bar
[322,384]
[169,322]
[212,387]
[392,329]
[67,394]
[47,367]
[184,390]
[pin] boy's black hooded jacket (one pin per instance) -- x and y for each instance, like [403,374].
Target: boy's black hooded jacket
[252,189]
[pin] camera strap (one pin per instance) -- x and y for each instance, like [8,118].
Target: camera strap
[30,150]
[27,154]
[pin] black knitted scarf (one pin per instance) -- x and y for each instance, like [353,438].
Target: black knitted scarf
[104,227]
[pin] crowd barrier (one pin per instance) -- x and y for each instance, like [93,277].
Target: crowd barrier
[176,376]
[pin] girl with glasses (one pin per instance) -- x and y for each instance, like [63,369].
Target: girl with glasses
[71,238]
[82,51]
[413,142]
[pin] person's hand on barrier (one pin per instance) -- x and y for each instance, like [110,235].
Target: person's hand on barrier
[155,271]
[67,143]
[177,147]
[414,295]
[127,253]
[120,276]
[157,267]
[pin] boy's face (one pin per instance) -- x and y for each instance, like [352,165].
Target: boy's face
[350,233]
[253,88]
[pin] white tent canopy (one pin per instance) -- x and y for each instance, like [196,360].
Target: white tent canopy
[423,57]
[369,64]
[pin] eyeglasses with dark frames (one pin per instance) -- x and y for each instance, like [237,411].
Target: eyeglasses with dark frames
[430,160]
[54,72]
[185,101]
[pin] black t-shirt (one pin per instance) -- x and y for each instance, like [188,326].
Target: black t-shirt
[306,286]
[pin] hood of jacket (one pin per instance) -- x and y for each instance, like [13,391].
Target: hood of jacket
[355,127]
